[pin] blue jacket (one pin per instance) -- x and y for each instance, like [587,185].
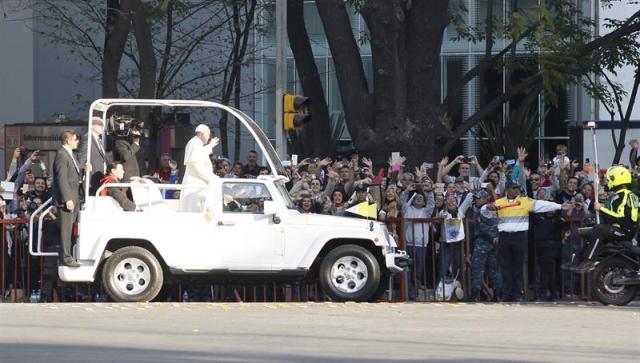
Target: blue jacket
[485,226]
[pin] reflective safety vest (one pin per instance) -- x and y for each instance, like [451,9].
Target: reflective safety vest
[623,208]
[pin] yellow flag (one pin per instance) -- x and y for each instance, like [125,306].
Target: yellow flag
[364,209]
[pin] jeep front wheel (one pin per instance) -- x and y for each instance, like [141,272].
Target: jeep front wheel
[349,273]
[132,274]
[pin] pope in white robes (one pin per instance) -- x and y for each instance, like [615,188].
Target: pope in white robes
[198,170]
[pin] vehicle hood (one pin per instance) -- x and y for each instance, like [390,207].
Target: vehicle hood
[324,220]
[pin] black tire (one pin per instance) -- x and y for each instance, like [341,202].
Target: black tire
[602,288]
[382,293]
[363,268]
[140,282]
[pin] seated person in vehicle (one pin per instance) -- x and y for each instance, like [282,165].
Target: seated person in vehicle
[115,175]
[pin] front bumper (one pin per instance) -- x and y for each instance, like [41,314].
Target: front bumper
[397,261]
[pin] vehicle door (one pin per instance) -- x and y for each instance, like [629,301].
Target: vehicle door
[186,232]
[251,239]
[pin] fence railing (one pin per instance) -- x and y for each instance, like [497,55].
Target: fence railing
[434,258]
[438,268]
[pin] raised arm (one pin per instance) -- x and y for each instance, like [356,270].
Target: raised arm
[474,162]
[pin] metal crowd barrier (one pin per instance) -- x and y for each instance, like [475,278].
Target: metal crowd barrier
[427,280]
[22,273]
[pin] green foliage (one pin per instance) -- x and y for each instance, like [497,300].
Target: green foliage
[496,139]
[557,33]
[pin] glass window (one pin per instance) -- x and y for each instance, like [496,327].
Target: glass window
[285,195]
[244,197]
[313,24]
[498,14]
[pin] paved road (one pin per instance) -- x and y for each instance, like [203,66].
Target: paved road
[317,332]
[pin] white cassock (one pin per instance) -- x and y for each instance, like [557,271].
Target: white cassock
[198,172]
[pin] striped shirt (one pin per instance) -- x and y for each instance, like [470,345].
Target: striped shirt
[513,215]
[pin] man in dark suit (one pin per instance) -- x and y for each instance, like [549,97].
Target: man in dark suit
[66,194]
[98,163]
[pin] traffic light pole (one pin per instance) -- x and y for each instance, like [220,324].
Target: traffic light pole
[281,76]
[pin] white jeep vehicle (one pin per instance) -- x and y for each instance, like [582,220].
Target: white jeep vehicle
[248,228]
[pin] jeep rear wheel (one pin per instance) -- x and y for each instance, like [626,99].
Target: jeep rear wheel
[350,273]
[132,274]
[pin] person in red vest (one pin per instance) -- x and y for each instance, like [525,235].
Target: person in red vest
[116,173]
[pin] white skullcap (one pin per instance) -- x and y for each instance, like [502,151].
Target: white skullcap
[203,128]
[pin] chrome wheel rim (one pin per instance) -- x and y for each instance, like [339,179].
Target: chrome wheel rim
[349,274]
[131,276]
[607,283]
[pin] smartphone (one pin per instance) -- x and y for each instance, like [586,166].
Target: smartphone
[294,159]
[511,162]
[484,185]
[428,165]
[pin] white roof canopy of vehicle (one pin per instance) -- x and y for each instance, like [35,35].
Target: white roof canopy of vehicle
[104,104]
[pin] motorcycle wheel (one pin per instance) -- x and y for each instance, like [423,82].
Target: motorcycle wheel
[604,290]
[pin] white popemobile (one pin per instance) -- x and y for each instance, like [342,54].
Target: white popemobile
[248,228]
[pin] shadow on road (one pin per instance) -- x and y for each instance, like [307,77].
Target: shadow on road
[19,352]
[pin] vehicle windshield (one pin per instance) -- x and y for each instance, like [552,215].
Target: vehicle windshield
[285,194]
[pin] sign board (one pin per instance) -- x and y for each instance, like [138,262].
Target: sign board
[35,137]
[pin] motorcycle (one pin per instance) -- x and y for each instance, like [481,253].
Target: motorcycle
[616,277]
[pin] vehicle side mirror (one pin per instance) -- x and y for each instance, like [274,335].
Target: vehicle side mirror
[271,208]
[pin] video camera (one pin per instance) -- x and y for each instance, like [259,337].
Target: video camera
[123,126]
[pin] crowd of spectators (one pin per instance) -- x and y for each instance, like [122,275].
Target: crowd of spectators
[428,213]
[461,187]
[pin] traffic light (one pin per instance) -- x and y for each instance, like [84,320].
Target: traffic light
[296,111]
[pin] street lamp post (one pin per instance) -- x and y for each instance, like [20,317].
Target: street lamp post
[596,180]
[281,75]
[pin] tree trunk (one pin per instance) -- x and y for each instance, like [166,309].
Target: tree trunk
[318,132]
[116,33]
[356,99]
[236,101]
[144,42]
[240,34]
[404,112]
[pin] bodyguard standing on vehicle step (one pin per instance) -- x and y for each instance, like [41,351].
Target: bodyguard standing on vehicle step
[66,194]
[98,164]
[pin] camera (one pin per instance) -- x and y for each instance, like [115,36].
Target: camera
[549,164]
[123,126]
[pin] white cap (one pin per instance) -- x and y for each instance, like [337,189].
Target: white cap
[203,128]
